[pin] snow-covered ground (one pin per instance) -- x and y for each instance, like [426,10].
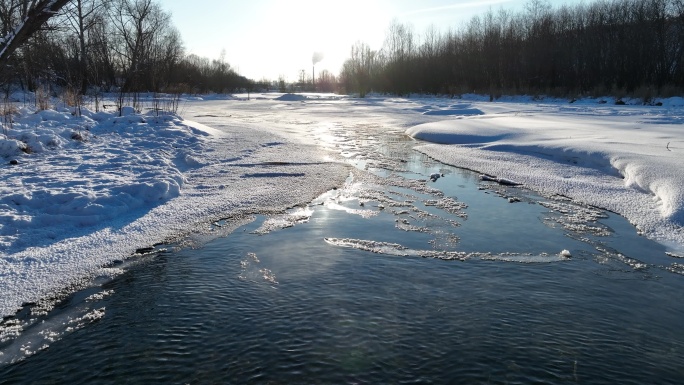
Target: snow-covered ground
[86,191]
[626,159]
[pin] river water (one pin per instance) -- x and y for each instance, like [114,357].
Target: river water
[392,278]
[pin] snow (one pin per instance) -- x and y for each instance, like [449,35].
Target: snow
[626,159]
[77,193]
[452,110]
[6,41]
[291,97]
[70,206]
[402,251]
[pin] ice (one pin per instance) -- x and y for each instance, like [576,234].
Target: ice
[395,249]
[348,210]
[40,333]
[677,268]
[283,221]
[458,111]
[450,205]
[291,97]
[70,207]
[625,159]
[405,225]
[88,190]
[251,270]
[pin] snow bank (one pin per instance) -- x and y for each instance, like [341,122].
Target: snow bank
[455,111]
[291,98]
[77,193]
[627,160]
[459,109]
[85,191]
[445,132]
[76,173]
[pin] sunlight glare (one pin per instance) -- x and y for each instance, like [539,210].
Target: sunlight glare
[297,29]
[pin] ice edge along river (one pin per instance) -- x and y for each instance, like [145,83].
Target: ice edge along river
[93,189]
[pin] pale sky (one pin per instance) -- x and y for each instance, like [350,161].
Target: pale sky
[270,38]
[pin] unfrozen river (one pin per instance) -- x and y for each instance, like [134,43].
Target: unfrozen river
[395,277]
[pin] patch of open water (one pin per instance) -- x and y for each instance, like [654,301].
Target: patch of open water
[393,278]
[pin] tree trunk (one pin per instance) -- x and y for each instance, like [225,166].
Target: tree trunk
[83,62]
[35,17]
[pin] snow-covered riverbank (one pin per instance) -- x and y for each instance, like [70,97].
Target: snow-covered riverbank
[86,191]
[626,159]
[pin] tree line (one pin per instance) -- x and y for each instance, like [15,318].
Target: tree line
[104,45]
[619,47]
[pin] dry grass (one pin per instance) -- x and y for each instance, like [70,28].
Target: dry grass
[43,98]
[7,110]
[73,99]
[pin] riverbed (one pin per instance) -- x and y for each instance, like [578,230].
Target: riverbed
[412,271]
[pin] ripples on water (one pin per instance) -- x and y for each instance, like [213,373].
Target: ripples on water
[388,280]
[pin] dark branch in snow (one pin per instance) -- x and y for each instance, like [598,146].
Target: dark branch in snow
[39,12]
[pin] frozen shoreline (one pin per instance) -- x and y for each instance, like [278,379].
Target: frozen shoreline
[626,160]
[71,207]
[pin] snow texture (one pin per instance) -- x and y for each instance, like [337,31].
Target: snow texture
[77,193]
[291,97]
[626,159]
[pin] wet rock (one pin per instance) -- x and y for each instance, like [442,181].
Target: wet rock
[501,181]
[144,250]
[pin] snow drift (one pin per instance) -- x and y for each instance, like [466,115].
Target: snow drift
[626,160]
[77,193]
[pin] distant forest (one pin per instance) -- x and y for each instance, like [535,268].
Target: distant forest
[606,47]
[108,45]
[618,47]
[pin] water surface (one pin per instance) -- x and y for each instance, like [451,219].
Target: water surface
[392,278]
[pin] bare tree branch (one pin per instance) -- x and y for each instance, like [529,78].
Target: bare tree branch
[34,14]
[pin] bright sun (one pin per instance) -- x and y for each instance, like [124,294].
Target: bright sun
[297,29]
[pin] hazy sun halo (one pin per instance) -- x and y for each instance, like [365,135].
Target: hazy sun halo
[295,30]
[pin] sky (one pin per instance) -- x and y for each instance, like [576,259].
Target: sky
[267,39]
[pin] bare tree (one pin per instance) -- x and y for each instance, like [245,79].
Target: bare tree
[605,47]
[137,25]
[126,44]
[357,70]
[326,81]
[21,19]
[399,49]
[82,16]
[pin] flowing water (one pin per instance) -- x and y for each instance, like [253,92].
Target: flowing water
[392,278]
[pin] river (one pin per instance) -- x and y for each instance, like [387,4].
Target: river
[412,272]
